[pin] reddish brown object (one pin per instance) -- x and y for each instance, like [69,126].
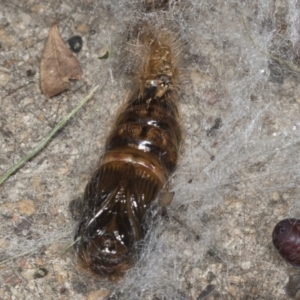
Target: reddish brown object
[58,65]
[286,239]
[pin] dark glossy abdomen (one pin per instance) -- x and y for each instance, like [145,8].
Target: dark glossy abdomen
[141,153]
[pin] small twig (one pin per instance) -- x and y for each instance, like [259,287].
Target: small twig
[47,139]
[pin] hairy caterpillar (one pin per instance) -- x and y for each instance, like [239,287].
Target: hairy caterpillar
[141,153]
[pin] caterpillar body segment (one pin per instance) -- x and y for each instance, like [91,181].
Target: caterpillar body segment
[141,153]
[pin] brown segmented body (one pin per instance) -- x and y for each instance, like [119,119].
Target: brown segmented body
[141,153]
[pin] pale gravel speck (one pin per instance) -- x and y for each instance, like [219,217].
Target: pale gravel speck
[26,207]
[276,196]
[246,265]
[4,78]
[28,274]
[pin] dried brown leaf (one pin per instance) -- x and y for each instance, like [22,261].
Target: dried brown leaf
[58,65]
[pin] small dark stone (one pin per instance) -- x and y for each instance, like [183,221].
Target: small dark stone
[40,273]
[164,213]
[22,229]
[92,32]
[7,133]
[210,276]
[105,56]
[75,207]
[75,43]
[30,73]
[206,292]
[63,290]
[253,98]
[213,253]
[217,124]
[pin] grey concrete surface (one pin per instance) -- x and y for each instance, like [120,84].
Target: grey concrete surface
[239,168]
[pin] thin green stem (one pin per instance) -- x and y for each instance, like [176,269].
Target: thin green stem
[47,139]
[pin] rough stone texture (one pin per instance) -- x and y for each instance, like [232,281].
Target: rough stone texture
[239,171]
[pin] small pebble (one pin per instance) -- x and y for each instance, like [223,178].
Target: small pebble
[40,273]
[75,207]
[275,196]
[30,73]
[82,28]
[210,276]
[26,207]
[98,295]
[103,53]
[4,78]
